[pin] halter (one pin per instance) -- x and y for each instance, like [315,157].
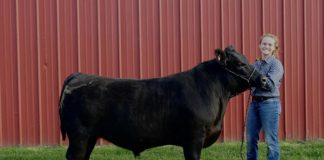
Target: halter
[240,76]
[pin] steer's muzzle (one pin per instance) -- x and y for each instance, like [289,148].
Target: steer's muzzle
[258,80]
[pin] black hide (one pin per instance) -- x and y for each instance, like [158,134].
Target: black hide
[184,109]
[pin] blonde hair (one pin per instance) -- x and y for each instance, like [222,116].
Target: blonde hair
[275,51]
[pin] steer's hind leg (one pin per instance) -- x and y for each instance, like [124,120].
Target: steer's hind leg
[80,146]
[91,144]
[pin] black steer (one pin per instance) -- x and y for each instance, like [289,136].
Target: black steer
[184,109]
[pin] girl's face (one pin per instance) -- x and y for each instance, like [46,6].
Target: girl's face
[267,46]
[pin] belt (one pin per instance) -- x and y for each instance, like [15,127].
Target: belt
[261,98]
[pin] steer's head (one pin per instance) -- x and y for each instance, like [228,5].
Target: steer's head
[237,64]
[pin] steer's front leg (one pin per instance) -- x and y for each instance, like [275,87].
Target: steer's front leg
[192,149]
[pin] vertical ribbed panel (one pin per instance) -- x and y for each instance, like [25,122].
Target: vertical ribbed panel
[47,60]
[149,38]
[88,36]
[320,47]
[170,37]
[313,32]
[41,42]
[9,101]
[128,17]
[108,38]
[28,71]
[190,33]
[211,28]
[294,63]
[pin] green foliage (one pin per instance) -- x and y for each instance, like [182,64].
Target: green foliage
[310,150]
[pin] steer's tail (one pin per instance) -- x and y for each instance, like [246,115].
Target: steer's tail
[61,102]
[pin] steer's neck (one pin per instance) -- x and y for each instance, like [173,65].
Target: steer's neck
[234,84]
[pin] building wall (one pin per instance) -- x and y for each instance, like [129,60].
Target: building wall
[41,42]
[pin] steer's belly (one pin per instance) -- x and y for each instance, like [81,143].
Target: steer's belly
[211,139]
[135,144]
[212,135]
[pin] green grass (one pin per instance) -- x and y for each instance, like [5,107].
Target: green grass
[313,150]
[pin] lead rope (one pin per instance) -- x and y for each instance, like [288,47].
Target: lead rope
[244,125]
[240,76]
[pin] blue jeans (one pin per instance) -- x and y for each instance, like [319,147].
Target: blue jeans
[264,114]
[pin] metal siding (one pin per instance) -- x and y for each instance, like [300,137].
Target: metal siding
[211,30]
[67,39]
[170,37]
[42,42]
[47,50]
[150,65]
[9,127]
[299,48]
[129,38]
[312,85]
[320,48]
[27,72]
[108,38]
[190,33]
[294,70]
[88,36]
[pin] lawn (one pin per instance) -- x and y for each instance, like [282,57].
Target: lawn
[313,150]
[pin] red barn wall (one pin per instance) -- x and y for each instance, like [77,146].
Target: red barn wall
[41,42]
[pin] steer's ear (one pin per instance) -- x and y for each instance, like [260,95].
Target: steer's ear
[220,55]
